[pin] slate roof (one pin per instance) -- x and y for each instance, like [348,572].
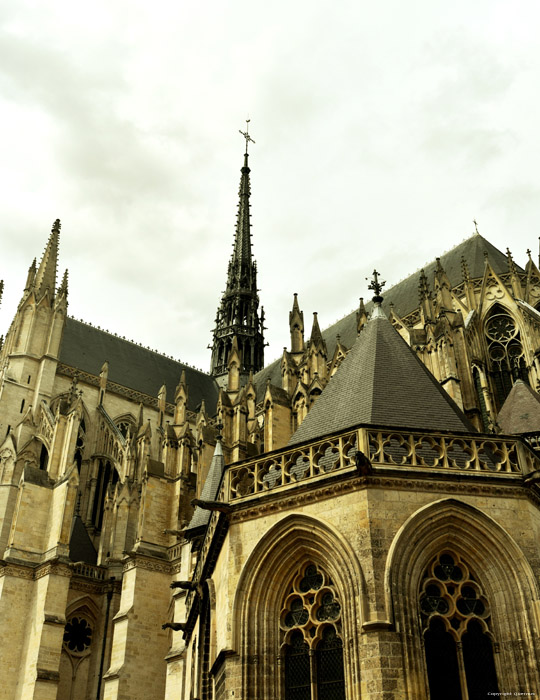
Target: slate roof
[404,295]
[86,348]
[209,491]
[381,382]
[520,412]
[81,547]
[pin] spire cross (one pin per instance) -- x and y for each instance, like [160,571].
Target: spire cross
[376,285]
[246,135]
[475,226]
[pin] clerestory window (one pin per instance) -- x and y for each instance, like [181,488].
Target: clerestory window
[312,648]
[458,641]
[505,351]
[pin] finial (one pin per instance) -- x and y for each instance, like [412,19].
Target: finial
[376,286]
[511,265]
[246,135]
[56,226]
[528,251]
[476,227]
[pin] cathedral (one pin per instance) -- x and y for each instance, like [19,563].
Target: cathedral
[358,520]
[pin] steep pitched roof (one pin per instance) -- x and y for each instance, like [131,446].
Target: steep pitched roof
[404,294]
[86,348]
[520,412]
[81,547]
[381,382]
[209,492]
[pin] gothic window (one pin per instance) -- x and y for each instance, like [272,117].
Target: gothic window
[43,457]
[312,648]
[79,445]
[505,352]
[456,625]
[106,475]
[125,425]
[77,635]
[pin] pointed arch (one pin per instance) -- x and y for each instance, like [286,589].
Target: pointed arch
[503,336]
[264,583]
[494,558]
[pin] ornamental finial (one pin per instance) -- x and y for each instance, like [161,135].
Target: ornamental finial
[376,286]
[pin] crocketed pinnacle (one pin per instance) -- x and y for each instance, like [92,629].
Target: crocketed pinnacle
[46,274]
[242,241]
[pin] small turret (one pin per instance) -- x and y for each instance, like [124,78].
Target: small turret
[296,326]
[443,294]
[181,398]
[361,316]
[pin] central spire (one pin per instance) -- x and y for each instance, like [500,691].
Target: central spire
[238,314]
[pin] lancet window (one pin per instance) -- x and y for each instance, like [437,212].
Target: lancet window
[312,639]
[505,352]
[456,621]
[106,475]
[80,444]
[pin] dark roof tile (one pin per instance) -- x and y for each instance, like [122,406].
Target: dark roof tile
[381,382]
[86,348]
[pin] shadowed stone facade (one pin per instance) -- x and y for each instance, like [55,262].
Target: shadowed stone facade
[359,519]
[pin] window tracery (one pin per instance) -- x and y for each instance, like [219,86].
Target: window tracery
[312,645]
[77,635]
[456,620]
[505,352]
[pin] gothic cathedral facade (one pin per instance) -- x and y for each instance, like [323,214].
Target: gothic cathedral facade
[359,519]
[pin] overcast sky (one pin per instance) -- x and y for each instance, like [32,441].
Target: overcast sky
[382,130]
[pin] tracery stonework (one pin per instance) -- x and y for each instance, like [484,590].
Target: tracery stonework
[312,648]
[459,644]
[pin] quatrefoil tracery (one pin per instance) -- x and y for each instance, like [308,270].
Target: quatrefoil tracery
[450,592]
[311,606]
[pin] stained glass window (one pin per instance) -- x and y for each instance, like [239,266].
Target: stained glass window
[505,352]
[312,637]
[456,621]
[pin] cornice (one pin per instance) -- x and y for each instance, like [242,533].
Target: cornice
[244,512]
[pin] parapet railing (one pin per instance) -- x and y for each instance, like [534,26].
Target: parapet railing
[89,571]
[319,460]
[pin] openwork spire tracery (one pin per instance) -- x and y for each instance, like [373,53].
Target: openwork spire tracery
[238,314]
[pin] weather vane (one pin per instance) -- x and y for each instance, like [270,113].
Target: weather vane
[475,225]
[246,135]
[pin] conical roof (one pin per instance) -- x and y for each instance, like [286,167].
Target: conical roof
[209,492]
[520,412]
[381,382]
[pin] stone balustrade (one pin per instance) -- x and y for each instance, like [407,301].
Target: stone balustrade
[429,451]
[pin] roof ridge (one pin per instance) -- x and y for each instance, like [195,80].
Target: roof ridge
[136,344]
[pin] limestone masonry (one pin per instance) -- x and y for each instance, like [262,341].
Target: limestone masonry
[359,519]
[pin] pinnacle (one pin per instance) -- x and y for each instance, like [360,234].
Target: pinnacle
[46,275]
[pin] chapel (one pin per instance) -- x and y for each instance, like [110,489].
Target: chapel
[356,520]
